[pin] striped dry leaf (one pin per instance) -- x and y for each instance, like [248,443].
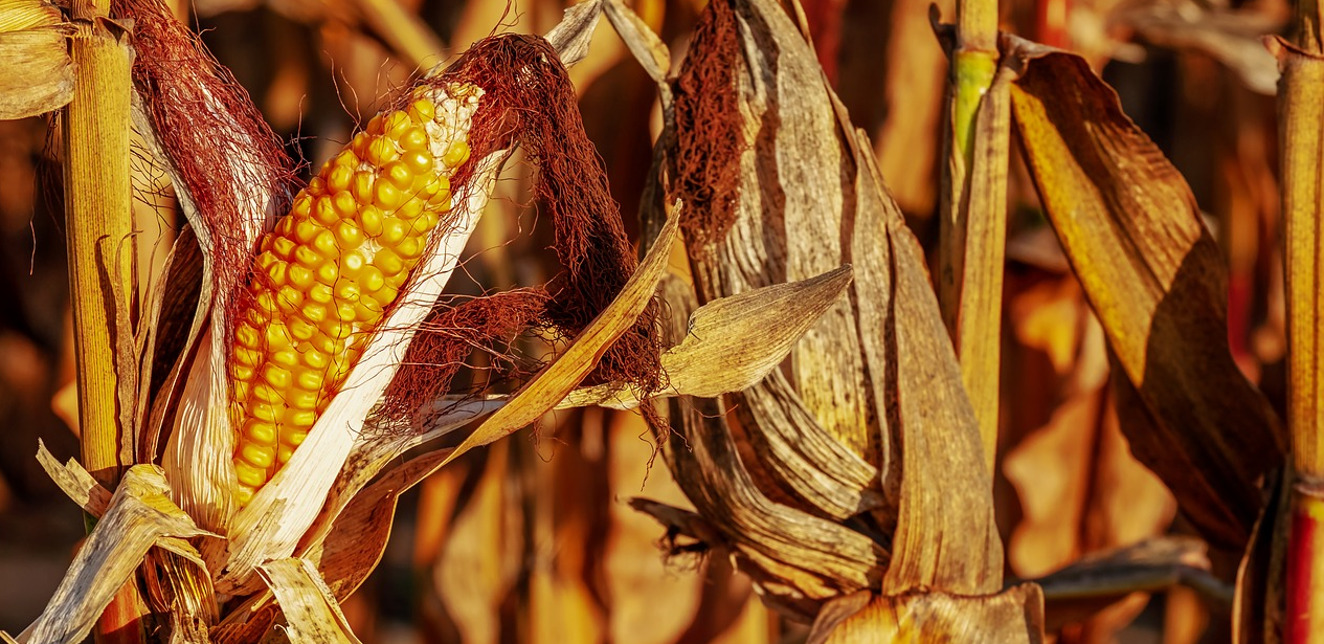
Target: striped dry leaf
[1130,227]
[38,74]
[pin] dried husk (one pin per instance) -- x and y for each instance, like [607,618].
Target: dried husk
[1013,616]
[312,614]
[1130,227]
[36,73]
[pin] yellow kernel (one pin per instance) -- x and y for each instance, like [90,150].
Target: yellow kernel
[361,188]
[327,345]
[247,336]
[320,293]
[371,279]
[388,262]
[457,153]
[308,257]
[246,358]
[258,455]
[359,146]
[288,358]
[265,393]
[260,432]
[326,244]
[266,412]
[301,417]
[339,177]
[316,360]
[396,124]
[265,301]
[426,221]
[382,151]
[248,476]
[301,329]
[241,389]
[301,277]
[303,204]
[415,138]
[366,311]
[435,186]
[305,400]
[345,311]
[311,379]
[386,295]
[277,376]
[347,159]
[243,494]
[393,231]
[304,233]
[284,227]
[278,338]
[283,454]
[242,372]
[324,211]
[411,209]
[345,204]
[420,162]
[282,246]
[388,197]
[351,263]
[346,289]
[314,313]
[422,111]
[400,174]
[317,187]
[328,273]
[409,248]
[349,235]
[375,125]
[371,220]
[335,329]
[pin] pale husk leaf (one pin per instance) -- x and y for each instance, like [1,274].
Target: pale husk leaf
[312,614]
[36,73]
[75,482]
[1013,616]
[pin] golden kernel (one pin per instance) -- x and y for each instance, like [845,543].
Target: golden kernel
[409,248]
[258,455]
[303,204]
[393,231]
[351,263]
[265,393]
[371,220]
[349,235]
[339,177]
[311,379]
[347,158]
[388,262]
[375,125]
[283,454]
[242,372]
[419,162]
[301,417]
[304,233]
[361,188]
[458,153]
[324,211]
[314,313]
[246,335]
[398,173]
[266,412]
[345,204]
[243,493]
[416,138]
[396,124]
[246,358]
[382,151]
[326,244]
[288,358]
[308,257]
[388,197]
[305,400]
[371,279]
[260,432]
[422,111]
[328,273]
[317,187]
[301,277]
[248,476]
[277,376]
[359,146]
[320,293]
[301,329]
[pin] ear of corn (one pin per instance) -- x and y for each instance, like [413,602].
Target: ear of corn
[326,274]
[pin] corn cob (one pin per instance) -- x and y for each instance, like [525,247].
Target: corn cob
[326,274]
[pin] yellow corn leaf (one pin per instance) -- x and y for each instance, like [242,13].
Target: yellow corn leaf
[1013,616]
[555,381]
[140,515]
[732,342]
[312,615]
[1130,227]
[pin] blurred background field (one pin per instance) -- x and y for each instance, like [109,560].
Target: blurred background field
[531,540]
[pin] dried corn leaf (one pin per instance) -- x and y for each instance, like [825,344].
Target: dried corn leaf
[572,35]
[556,380]
[36,73]
[1129,225]
[1012,616]
[312,615]
[75,481]
[1086,586]
[733,342]
[139,516]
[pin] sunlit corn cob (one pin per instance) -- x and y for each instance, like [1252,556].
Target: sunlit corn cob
[325,275]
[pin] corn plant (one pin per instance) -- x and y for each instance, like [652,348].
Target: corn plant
[829,409]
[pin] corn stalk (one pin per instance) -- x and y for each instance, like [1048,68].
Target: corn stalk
[973,210]
[1301,99]
[98,221]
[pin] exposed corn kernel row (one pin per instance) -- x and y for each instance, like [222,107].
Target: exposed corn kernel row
[326,274]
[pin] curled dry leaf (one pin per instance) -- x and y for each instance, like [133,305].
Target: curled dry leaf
[731,343]
[1013,616]
[1130,227]
[38,75]
[140,515]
